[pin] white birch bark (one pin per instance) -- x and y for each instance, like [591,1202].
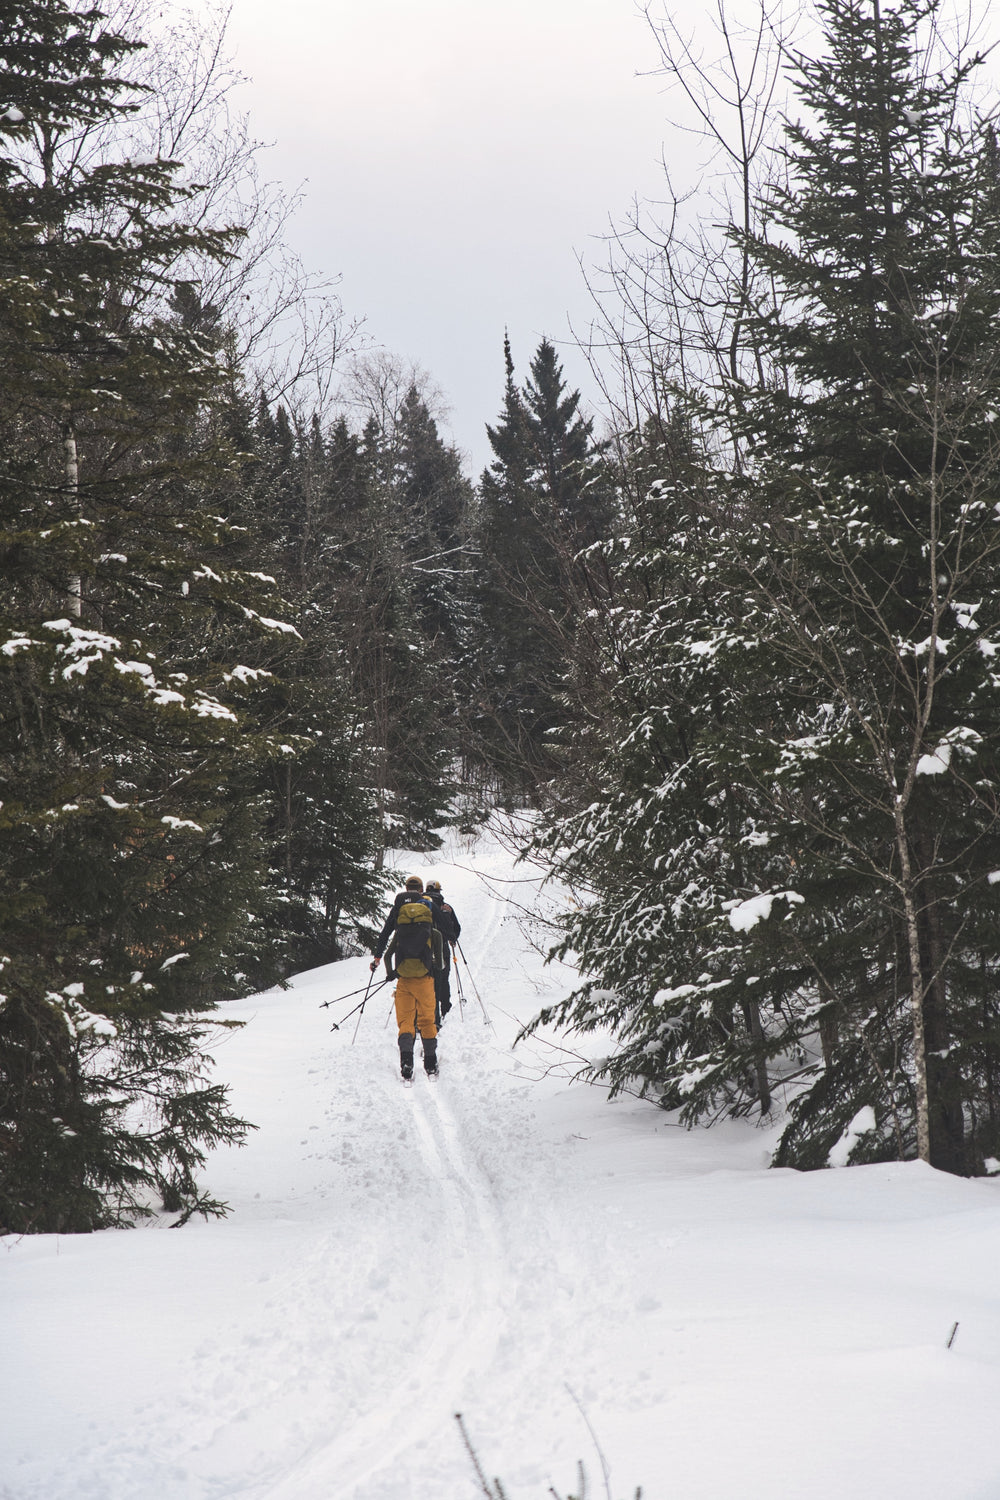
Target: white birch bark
[71,479]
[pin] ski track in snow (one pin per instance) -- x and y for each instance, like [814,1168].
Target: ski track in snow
[468,1316]
[501,1245]
[285,1379]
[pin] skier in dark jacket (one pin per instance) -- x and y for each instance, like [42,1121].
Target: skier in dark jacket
[414,892]
[447,923]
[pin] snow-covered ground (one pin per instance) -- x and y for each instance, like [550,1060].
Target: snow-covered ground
[582,1280]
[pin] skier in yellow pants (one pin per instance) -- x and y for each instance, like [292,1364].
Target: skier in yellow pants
[415,1012]
[415,951]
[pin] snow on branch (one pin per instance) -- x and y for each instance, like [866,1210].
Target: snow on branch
[744,915]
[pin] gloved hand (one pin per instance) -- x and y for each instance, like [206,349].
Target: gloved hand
[373,965]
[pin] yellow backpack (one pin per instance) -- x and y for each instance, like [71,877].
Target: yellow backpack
[413,946]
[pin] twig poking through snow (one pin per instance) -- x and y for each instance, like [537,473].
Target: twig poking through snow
[496,1494]
[605,1467]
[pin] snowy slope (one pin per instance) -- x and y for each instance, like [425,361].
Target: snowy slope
[556,1268]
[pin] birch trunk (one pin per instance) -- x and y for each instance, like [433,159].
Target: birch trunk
[71,481]
[916,991]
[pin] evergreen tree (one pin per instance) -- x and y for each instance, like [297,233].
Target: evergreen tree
[542,500]
[653,824]
[436,499]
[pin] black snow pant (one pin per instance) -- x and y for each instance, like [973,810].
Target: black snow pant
[442,987]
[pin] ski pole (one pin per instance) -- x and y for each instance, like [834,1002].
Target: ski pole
[337,1024]
[349,996]
[360,1006]
[475,988]
[461,992]
[364,1002]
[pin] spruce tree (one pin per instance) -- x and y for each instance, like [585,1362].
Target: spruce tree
[653,825]
[542,501]
[436,499]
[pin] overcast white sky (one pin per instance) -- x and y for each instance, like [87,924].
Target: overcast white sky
[457,157]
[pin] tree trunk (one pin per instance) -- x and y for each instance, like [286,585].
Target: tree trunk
[829,1036]
[288,827]
[945,1116]
[912,926]
[71,479]
[751,1011]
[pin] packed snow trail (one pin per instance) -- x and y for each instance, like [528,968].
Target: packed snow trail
[507,1246]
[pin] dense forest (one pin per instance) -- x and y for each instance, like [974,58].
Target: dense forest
[731,639]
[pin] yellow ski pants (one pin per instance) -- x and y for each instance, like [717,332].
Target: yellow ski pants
[415,1005]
